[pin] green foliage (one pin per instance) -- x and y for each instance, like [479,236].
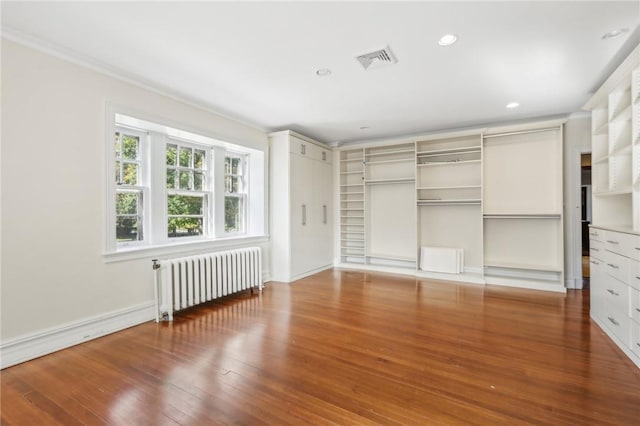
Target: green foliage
[185,205]
[232,219]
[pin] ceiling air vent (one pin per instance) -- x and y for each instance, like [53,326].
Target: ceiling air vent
[377,59]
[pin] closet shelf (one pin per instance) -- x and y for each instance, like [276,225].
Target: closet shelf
[625,149]
[425,188]
[351,217]
[620,191]
[399,151]
[352,160]
[389,181]
[352,193]
[359,172]
[399,160]
[449,151]
[622,114]
[351,184]
[527,266]
[446,163]
[352,209]
[523,216]
[448,202]
[602,129]
[391,257]
[603,159]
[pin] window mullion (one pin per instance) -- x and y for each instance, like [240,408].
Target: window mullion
[158,189]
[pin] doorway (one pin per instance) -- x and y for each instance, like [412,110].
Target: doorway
[585,214]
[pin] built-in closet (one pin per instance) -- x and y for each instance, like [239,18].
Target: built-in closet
[301,206]
[615,229]
[480,206]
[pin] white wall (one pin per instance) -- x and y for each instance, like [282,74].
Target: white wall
[53,190]
[577,139]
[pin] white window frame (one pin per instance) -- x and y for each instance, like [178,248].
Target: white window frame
[242,194]
[155,202]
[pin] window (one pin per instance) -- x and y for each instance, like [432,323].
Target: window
[168,186]
[188,192]
[129,194]
[234,193]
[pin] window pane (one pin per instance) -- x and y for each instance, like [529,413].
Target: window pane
[232,214]
[185,157]
[130,147]
[117,144]
[184,226]
[199,157]
[117,171]
[185,205]
[232,184]
[198,181]
[130,174]
[127,202]
[235,166]
[128,228]
[171,178]
[227,165]
[186,179]
[171,154]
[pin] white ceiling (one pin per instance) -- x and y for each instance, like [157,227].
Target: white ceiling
[257,61]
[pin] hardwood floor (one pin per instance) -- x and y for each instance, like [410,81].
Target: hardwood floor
[342,347]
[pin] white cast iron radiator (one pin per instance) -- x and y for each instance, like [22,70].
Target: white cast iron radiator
[188,281]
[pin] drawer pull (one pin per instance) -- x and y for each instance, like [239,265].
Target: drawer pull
[613,321]
[613,266]
[638,344]
[613,292]
[595,249]
[638,309]
[612,242]
[597,263]
[637,277]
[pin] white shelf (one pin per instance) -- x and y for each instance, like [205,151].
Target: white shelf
[389,181]
[601,160]
[451,151]
[399,160]
[391,257]
[447,163]
[352,193]
[522,216]
[351,184]
[351,209]
[399,151]
[447,202]
[620,191]
[623,114]
[359,172]
[526,266]
[602,129]
[426,188]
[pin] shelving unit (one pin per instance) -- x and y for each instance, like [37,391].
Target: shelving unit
[390,216]
[522,196]
[352,199]
[496,194]
[449,200]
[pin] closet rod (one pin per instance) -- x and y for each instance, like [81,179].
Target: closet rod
[523,132]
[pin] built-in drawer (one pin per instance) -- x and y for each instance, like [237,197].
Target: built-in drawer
[635,338]
[596,234]
[625,244]
[596,249]
[634,273]
[615,294]
[634,247]
[635,304]
[619,323]
[617,266]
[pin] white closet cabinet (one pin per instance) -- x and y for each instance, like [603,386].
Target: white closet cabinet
[615,230]
[301,194]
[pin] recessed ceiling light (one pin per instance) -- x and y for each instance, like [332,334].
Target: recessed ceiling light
[447,39]
[615,33]
[323,72]
[512,105]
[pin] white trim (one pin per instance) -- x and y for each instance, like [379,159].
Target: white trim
[574,239]
[27,347]
[183,248]
[623,346]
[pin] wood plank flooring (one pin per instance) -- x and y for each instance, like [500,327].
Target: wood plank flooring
[342,347]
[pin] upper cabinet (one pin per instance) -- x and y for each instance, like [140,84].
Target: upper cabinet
[615,110]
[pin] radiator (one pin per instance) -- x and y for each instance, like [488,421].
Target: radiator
[442,259]
[188,281]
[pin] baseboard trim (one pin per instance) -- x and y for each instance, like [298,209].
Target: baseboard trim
[27,347]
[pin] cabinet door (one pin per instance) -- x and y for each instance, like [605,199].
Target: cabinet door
[322,225]
[301,184]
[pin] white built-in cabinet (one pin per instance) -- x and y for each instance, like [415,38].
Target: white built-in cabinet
[301,206]
[615,228]
[494,195]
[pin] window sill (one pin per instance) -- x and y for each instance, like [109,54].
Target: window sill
[182,248]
